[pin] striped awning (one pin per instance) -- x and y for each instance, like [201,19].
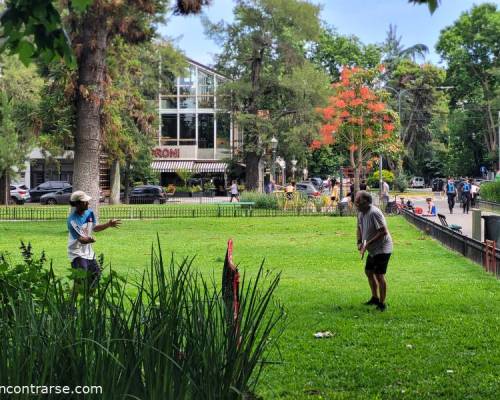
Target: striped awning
[215,167]
[172,166]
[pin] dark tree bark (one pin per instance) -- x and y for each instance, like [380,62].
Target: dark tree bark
[89,104]
[4,188]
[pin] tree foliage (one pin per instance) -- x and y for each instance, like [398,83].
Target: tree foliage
[334,51]
[358,119]
[471,49]
[274,88]
[20,96]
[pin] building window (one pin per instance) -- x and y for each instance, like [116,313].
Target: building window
[169,129]
[187,129]
[206,102]
[205,131]
[187,102]
[169,102]
[223,135]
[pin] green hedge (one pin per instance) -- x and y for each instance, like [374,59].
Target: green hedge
[490,191]
[261,200]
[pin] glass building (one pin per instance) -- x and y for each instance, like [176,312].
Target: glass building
[194,133]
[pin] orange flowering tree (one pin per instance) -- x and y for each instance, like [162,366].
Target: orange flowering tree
[358,118]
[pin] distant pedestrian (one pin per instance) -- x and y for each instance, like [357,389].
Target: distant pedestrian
[81,225]
[474,192]
[363,186]
[374,237]
[234,192]
[270,188]
[466,196]
[451,193]
[385,192]
[431,208]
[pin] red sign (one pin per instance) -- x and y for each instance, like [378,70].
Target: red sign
[165,152]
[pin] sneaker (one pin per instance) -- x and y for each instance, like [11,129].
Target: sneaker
[381,307]
[372,302]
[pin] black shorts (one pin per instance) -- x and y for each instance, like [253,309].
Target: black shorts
[377,263]
[91,266]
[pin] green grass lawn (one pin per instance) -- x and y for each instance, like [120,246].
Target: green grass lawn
[439,337]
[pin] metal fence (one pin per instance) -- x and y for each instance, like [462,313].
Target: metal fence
[468,247]
[48,213]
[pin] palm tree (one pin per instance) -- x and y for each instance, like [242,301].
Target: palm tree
[394,51]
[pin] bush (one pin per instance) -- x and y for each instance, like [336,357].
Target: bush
[388,176]
[261,200]
[490,191]
[401,183]
[174,338]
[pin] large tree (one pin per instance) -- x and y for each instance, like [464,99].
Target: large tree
[92,27]
[274,89]
[471,49]
[358,119]
[20,95]
[334,51]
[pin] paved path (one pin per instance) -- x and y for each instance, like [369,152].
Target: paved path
[458,217]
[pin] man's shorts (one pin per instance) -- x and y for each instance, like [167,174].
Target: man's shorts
[377,263]
[90,266]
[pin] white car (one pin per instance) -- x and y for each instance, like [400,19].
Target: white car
[19,194]
[417,182]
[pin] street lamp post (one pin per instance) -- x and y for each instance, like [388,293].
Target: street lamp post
[294,168]
[274,145]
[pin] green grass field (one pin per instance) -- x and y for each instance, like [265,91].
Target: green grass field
[439,337]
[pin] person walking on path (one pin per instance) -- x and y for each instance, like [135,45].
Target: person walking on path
[234,192]
[451,193]
[374,237]
[81,224]
[474,192]
[466,196]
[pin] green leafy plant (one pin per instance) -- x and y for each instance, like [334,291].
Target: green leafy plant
[184,175]
[165,337]
[388,176]
[490,191]
[401,183]
[261,200]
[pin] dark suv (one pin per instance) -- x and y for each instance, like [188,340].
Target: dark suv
[47,187]
[147,194]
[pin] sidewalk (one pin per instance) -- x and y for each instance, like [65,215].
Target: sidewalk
[458,217]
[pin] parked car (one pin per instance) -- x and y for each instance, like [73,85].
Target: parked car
[147,194]
[438,184]
[417,182]
[19,194]
[60,197]
[47,187]
[316,182]
[306,188]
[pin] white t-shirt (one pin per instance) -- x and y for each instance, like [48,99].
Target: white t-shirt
[234,188]
[80,226]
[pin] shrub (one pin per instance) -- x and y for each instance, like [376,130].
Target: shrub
[490,191]
[172,339]
[401,183]
[170,188]
[261,200]
[195,189]
[388,176]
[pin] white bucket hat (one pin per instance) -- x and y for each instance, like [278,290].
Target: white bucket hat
[80,195]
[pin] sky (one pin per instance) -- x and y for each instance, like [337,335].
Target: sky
[367,19]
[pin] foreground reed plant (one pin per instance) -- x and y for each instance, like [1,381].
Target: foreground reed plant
[173,338]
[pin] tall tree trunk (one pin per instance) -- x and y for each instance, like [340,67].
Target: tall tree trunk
[252,161]
[89,104]
[114,198]
[4,187]
[126,181]
[354,166]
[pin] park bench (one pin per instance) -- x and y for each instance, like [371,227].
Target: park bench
[453,227]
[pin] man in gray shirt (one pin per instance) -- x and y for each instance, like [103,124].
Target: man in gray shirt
[374,237]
